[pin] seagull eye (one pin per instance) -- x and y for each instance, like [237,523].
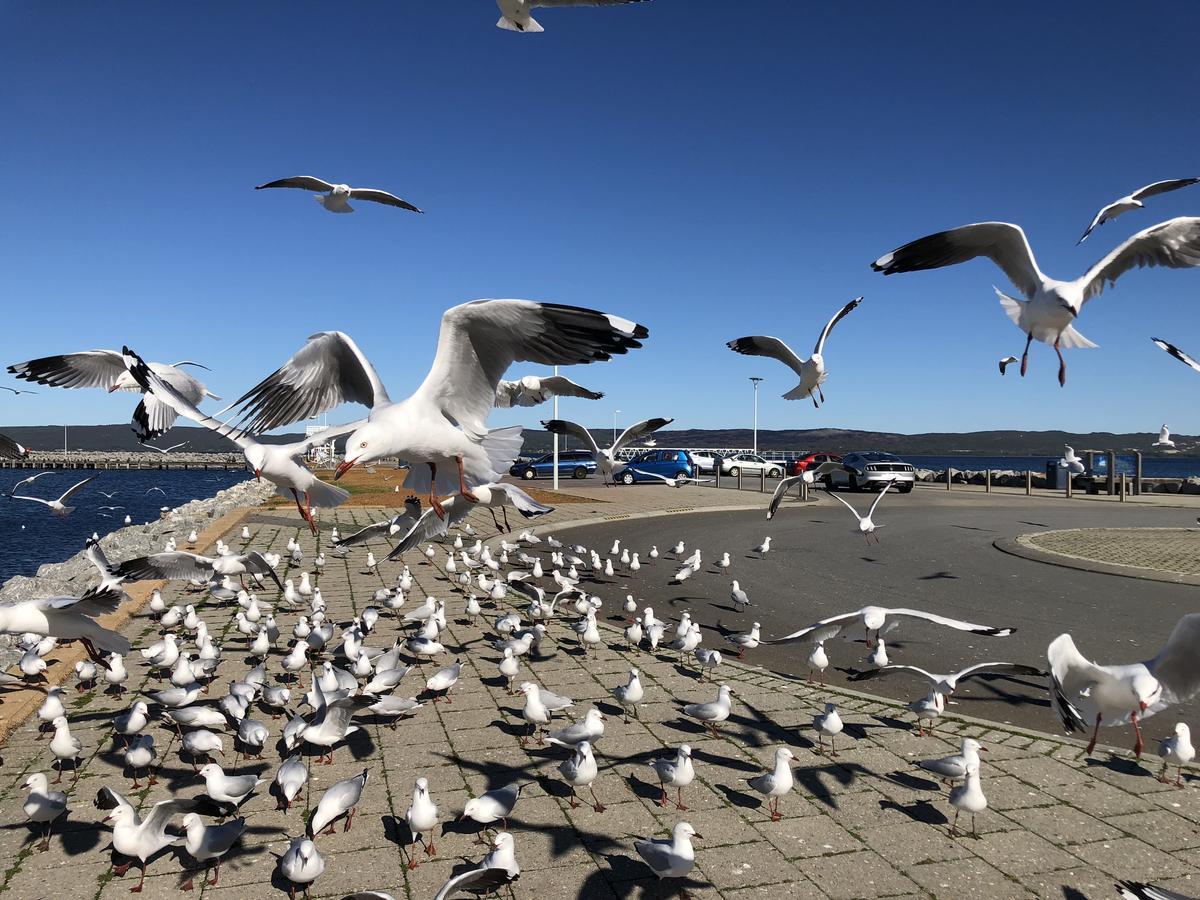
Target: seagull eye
[363,444]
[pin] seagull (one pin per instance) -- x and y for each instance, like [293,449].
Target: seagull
[1177,353]
[968,796]
[495,804]
[106,369]
[811,371]
[947,684]
[954,768]
[227,789]
[16,392]
[530,390]
[10,449]
[674,771]
[1164,439]
[874,618]
[927,709]
[1134,201]
[828,724]
[1177,750]
[1140,890]
[332,724]
[671,858]
[865,524]
[43,806]
[777,783]
[630,694]
[180,564]
[764,548]
[422,817]
[1050,306]
[341,799]
[590,730]
[164,450]
[499,868]
[431,526]
[388,527]
[291,778]
[58,507]
[580,770]
[517,15]
[33,478]
[301,864]
[713,712]
[336,197]
[140,839]
[1070,461]
[746,641]
[442,424]
[808,476]
[206,843]
[1084,692]
[275,462]
[606,458]
[68,618]
[1005,363]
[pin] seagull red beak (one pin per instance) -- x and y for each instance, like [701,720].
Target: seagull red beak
[112,388]
[258,474]
[345,467]
[697,834]
[1142,705]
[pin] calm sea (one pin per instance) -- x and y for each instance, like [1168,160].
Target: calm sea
[32,535]
[1152,466]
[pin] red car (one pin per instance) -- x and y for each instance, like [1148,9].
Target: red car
[812,459]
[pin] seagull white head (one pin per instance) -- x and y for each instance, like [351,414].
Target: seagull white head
[368,443]
[256,455]
[1147,690]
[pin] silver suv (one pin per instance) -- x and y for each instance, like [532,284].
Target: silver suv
[750,463]
[871,470]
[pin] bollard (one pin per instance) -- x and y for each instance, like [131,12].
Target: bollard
[804,491]
[1124,486]
[949,475]
[762,480]
[1028,482]
[987,482]
[739,478]
[1068,487]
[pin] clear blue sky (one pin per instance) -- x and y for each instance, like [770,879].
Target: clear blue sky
[709,169]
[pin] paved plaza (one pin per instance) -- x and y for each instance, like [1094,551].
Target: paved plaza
[867,823]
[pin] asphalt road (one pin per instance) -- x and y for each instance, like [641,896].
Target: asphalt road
[935,554]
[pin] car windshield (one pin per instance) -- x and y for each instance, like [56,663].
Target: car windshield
[876,456]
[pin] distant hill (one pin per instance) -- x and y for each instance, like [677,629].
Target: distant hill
[836,440]
[120,438]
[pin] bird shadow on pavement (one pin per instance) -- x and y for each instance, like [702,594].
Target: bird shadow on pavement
[1122,765]
[728,762]
[814,780]
[758,729]
[922,811]
[936,576]
[885,722]
[911,781]
[990,684]
[739,798]
[632,879]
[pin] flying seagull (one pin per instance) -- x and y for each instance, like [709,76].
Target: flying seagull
[1134,201]
[811,371]
[517,15]
[336,197]
[1164,439]
[808,476]
[1006,362]
[10,449]
[530,390]
[1177,353]
[606,458]
[440,429]
[58,507]
[947,684]
[1051,306]
[164,450]
[16,391]
[865,524]
[875,618]
[106,369]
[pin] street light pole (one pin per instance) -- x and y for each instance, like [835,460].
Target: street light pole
[556,436]
[616,412]
[754,380]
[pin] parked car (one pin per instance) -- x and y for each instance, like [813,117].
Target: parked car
[573,463]
[705,462]
[815,458]
[667,463]
[871,470]
[751,463]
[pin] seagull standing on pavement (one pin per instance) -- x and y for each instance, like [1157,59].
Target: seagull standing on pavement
[1050,307]
[811,371]
[968,797]
[340,799]
[671,858]
[43,806]
[777,783]
[422,818]
[674,771]
[1177,750]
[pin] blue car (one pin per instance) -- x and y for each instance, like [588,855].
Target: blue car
[662,463]
[571,463]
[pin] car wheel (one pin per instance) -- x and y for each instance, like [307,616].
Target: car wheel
[529,474]
[580,472]
[627,478]
[853,485]
[734,471]
[774,473]
[906,489]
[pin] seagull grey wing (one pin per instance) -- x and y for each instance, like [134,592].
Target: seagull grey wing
[174,565]
[1161,187]
[886,487]
[151,418]
[169,394]
[382,197]
[509,394]
[958,624]
[304,182]
[333,432]
[638,431]
[868,674]
[657,854]
[74,489]
[475,881]
[1177,666]
[1070,674]
[369,895]
[91,604]
[1140,890]
[837,317]
[328,370]
[561,386]
[785,485]
[10,449]
[339,713]
[946,767]
[843,617]
[365,534]
[989,668]
[764,345]
[1098,219]
[1174,244]
[1177,353]
[1001,242]
[162,813]
[572,429]
[429,527]
[478,341]
[88,369]
[521,501]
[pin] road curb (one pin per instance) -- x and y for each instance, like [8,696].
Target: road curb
[1020,546]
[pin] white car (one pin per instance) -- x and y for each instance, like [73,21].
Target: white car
[704,462]
[750,463]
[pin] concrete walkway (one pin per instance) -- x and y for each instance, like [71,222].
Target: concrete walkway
[863,824]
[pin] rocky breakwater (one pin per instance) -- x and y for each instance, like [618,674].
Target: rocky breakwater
[1000,477]
[73,576]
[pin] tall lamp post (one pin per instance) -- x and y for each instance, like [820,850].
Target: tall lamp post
[755,381]
[616,412]
[556,436]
